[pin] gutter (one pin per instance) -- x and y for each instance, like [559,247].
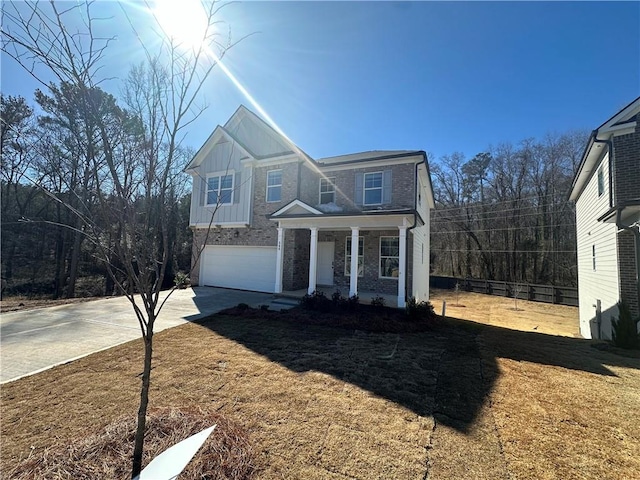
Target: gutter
[371,159]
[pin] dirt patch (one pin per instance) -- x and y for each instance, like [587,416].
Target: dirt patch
[501,312]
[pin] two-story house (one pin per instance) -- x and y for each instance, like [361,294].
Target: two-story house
[267,217]
[606,190]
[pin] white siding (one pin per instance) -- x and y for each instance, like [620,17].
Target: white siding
[223,157]
[602,283]
[421,242]
[420,270]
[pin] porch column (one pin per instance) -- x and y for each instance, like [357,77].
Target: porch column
[353,279]
[279,260]
[402,262]
[313,260]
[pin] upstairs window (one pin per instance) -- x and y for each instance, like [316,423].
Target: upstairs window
[220,189]
[347,257]
[274,186]
[373,188]
[327,190]
[600,181]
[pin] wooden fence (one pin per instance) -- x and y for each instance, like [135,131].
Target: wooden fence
[524,291]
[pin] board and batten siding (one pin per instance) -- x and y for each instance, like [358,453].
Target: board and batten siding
[223,157]
[602,283]
[257,137]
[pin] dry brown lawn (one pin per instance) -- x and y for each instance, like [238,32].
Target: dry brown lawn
[487,397]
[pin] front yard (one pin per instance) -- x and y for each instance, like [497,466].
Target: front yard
[500,395]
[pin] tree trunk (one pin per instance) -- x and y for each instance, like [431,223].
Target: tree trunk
[73,264]
[144,401]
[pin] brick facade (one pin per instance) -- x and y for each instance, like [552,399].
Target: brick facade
[627,270]
[627,167]
[626,188]
[371,280]
[403,186]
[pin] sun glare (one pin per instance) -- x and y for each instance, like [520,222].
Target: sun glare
[185,21]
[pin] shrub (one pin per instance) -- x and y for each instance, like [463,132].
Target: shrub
[264,308]
[353,302]
[316,301]
[378,301]
[242,306]
[625,328]
[181,280]
[336,298]
[422,312]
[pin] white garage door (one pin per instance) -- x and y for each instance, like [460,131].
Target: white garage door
[246,268]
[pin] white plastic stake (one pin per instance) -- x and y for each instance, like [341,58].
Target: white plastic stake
[170,463]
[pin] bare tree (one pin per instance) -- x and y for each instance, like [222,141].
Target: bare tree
[133,154]
[504,214]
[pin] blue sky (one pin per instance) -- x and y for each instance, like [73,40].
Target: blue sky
[344,77]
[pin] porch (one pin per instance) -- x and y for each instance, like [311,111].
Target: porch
[364,296]
[361,254]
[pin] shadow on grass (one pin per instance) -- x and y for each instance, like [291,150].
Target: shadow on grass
[447,372]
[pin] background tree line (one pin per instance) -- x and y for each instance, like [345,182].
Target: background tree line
[505,215]
[57,151]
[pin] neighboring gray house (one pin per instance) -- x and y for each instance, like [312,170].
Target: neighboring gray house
[288,222]
[606,190]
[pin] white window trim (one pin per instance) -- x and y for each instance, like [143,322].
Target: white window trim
[347,252]
[332,182]
[364,188]
[220,174]
[386,256]
[599,176]
[273,186]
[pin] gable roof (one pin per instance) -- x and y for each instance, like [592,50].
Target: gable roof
[233,131]
[218,134]
[287,147]
[620,122]
[296,207]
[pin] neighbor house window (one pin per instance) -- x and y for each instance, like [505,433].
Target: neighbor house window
[389,257]
[373,188]
[274,185]
[347,257]
[600,181]
[593,256]
[220,189]
[327,190]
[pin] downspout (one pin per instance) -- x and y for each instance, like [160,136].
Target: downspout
[635,229]
[415,219]
[610,147]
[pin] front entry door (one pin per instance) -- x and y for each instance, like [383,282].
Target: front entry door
[324,274]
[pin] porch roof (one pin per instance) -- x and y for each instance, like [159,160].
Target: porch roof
[366,220]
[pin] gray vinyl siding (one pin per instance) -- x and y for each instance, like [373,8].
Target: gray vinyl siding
[223,157]
[602,283]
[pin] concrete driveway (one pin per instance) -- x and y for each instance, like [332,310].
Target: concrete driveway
[34,340]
